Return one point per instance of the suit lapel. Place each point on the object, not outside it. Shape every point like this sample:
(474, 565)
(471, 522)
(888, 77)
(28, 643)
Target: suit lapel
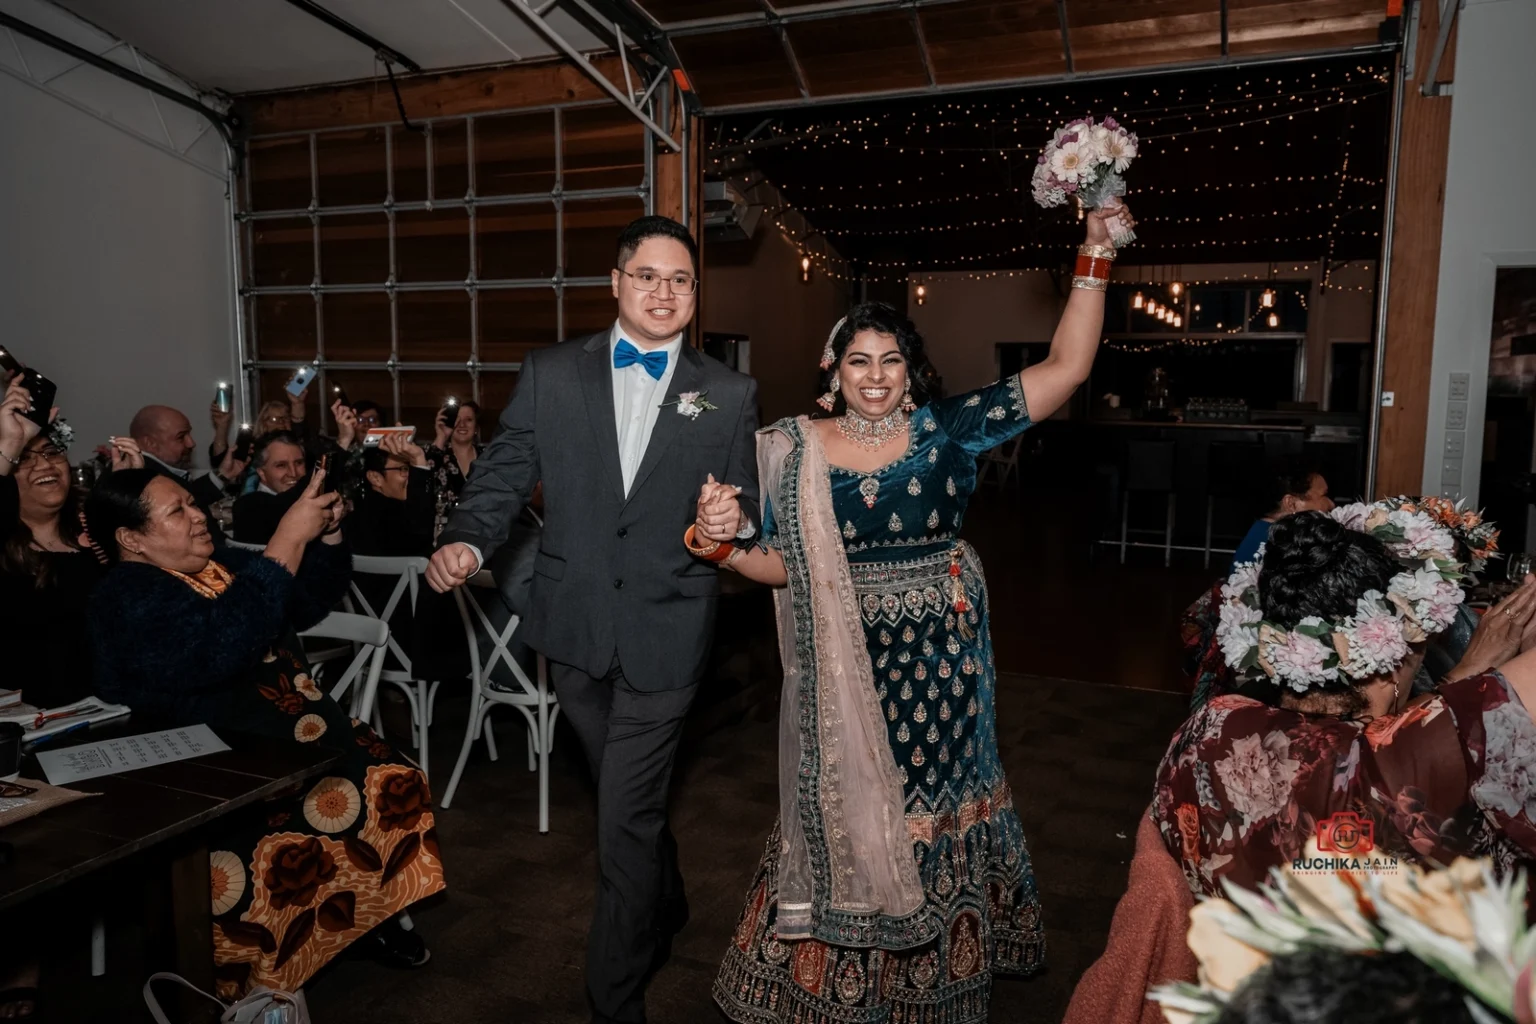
(689, 376)
(597, 388)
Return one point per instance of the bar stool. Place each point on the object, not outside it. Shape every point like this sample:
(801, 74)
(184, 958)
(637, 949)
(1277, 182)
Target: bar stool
(1148, 470)
(1233, 472)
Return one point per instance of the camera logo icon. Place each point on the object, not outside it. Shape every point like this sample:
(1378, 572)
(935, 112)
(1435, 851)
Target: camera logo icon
(1346, 833)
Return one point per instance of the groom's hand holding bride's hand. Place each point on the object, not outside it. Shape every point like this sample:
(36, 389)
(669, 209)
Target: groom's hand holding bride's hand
(719, 515)
(451, 566)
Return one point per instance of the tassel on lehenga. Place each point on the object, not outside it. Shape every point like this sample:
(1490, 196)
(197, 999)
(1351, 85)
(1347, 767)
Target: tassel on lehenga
(957, 596)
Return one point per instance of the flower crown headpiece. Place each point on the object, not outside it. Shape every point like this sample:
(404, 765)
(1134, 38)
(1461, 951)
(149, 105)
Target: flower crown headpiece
(1460, 921)
(829, 354)
(1478, 536)
(1420, 601)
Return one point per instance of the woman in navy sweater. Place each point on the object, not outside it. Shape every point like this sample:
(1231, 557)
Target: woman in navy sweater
(189, 639)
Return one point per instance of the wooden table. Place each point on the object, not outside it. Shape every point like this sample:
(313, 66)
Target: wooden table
(148, 824)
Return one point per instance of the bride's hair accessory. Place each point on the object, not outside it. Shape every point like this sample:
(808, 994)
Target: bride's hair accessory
(829, 354)
(1420, 601)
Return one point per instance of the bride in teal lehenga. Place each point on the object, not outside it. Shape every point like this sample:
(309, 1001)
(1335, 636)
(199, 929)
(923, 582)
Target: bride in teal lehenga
(897, 881)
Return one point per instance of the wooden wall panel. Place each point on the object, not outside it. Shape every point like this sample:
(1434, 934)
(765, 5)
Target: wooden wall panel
(446, 95)
(1415, 271)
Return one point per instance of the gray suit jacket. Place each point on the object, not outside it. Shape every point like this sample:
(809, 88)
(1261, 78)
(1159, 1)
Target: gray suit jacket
(612, 575)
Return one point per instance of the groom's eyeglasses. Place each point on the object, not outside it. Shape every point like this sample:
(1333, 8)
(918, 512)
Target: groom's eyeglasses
(649, 281)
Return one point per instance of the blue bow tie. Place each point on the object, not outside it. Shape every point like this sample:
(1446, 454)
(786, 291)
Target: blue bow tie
(625, 354)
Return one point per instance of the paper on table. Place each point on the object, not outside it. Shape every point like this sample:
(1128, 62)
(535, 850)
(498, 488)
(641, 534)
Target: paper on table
(110, 757)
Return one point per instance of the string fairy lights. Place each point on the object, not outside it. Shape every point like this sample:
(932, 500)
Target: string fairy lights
(903, 189)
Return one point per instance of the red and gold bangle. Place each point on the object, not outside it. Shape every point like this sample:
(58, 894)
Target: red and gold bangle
(713, 552)
(1092, 268)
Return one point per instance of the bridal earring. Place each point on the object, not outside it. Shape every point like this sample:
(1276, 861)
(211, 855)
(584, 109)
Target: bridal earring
(828, 400)
(907, 405)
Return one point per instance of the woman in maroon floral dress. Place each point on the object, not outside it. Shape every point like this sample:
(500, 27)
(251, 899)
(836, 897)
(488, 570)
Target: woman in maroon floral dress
(1337, 619)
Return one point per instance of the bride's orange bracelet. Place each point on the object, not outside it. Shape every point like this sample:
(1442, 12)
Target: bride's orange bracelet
(713, 552)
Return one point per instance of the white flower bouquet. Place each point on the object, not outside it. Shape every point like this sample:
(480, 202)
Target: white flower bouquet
(1088, 160)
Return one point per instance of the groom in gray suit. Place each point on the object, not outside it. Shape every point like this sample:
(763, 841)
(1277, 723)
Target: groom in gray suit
(623, 428)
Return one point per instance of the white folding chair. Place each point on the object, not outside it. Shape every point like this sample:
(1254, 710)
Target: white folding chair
(1004, 458)
(534, 700)
(371, 637)
(419, 694)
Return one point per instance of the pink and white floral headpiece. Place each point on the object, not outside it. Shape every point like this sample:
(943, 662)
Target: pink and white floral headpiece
(1420, 601)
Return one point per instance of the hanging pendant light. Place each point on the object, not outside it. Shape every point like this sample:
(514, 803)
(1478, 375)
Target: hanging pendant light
(922, 294)
(1178, 320)
(1267, 299)
(1176, 289)
(1162, 314)
(1274, 320)
(1137, 302)
(805, 268)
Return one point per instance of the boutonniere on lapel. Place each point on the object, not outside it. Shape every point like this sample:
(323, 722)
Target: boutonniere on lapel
(691, 404)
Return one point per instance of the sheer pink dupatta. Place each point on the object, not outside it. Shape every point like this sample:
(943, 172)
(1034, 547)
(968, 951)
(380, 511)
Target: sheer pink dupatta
(847, 873)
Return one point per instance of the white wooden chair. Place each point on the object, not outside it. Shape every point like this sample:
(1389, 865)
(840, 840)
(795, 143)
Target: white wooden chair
(419, 693)
(371, 639)
(538, 706)
(1004, 459)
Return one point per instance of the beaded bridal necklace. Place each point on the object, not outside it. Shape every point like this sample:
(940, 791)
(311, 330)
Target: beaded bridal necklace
(872, 434)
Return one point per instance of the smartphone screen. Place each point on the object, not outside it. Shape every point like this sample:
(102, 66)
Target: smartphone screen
(243, 441)
(377, 434)
(339, 394)
(221, 397)
(300, 379)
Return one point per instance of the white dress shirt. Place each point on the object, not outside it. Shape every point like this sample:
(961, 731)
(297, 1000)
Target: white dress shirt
(637, 399)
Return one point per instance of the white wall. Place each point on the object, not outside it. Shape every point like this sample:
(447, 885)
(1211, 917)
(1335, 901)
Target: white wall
(1490, 210)
(115, 278)
(754, 288)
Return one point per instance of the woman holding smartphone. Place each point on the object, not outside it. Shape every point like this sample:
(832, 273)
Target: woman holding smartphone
(456, 447)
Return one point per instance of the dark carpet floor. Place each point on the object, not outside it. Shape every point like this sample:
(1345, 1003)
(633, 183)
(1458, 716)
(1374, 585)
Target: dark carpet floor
(508, 938)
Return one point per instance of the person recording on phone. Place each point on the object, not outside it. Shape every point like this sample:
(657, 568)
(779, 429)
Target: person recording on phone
(47, 570)
(280, 466)
(397, 512)
(456, 446)
(165, 437)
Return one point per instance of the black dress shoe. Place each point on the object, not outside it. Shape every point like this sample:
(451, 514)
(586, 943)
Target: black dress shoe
(393, 946)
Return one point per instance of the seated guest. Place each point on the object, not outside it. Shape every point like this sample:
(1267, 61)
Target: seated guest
(286, 412)
(279, 462)
(187, 639)
(455, 449)
(164, 435)
(396, 514)
(368, 415)
(46, 573)
(1336, 624)
(396, 517)
(1293, 491)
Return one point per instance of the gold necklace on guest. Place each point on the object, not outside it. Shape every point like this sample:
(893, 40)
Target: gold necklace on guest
(872, 434)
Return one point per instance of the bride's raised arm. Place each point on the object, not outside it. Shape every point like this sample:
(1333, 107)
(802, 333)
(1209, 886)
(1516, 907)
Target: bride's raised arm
(1047, 385)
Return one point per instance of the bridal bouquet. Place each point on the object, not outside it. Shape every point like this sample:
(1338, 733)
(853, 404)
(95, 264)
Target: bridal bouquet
(1087, 160)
